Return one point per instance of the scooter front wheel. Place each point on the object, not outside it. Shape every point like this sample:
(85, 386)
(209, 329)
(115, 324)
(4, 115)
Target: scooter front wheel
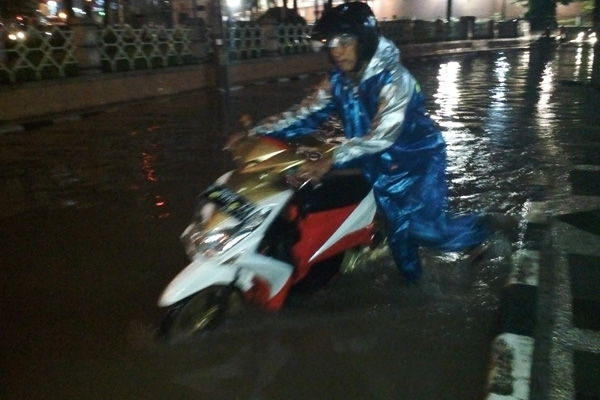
(201, 312)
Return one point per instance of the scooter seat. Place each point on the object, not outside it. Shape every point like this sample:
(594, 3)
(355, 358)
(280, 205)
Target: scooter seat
(336, 189)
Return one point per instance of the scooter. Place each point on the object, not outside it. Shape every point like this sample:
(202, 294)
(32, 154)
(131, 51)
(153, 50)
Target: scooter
(259, 232)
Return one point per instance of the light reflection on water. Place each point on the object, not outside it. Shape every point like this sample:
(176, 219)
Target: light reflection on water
(578, 62)
(583, 62)
(504, 118)
(501, 70)
(545, 113)
(448, 94)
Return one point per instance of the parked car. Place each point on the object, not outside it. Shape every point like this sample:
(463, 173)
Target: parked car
(15, 32)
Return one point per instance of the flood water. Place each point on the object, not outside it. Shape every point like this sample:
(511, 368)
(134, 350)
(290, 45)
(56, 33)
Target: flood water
(91, 210)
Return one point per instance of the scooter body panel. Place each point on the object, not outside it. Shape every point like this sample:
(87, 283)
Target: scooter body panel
(246, 260)
(361, 217)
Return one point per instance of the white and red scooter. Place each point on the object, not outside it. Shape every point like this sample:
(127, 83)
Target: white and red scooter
(255, 236)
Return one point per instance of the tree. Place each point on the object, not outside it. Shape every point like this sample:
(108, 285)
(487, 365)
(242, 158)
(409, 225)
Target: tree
(542, 13)
(68, 4)
(590, 7)
(107, 12)
(12, 8)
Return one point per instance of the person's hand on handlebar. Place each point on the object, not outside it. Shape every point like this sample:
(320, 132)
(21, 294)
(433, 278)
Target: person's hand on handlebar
(314, 170)
(234, 139)
(246, 122)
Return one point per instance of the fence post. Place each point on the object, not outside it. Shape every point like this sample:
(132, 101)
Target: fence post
(596, 64)
(491, 29)
(466, 27)
(86, 43)
(220, 46)
(270, 37)
(440, 30)
(2, 52)
(198, 38)
(523, 29)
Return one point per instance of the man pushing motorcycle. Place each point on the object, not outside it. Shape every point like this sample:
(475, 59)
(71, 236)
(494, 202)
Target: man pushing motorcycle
(390, 137)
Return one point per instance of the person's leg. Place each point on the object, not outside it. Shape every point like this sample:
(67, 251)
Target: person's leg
(448, 233)
(405, 251)
(431, 225)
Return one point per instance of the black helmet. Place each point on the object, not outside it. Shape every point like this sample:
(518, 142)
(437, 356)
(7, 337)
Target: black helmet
(355, 19)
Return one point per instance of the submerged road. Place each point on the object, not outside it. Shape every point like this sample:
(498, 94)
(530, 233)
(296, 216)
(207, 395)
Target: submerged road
(91, 209)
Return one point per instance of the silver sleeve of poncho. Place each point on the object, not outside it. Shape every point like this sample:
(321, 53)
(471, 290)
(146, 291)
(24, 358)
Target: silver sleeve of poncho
(315, 102)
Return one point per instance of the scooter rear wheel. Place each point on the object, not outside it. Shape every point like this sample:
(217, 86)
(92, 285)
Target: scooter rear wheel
(201, 312)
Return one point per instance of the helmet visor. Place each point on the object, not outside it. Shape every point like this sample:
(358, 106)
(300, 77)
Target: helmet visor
(342, 40)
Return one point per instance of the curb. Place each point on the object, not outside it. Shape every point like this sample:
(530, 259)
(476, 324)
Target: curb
(33, 124)
(512, 349)
(48, 120)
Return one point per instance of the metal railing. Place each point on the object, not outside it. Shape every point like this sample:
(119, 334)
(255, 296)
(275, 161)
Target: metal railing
(84, 48)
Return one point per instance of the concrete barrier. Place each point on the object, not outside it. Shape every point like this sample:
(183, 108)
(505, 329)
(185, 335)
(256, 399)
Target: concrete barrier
(513, 347)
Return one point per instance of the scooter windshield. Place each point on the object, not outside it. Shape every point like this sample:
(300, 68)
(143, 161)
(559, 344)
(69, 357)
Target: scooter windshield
(229, 201)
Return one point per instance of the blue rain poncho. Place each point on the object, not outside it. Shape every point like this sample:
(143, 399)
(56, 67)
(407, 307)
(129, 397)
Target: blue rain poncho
(399, 148)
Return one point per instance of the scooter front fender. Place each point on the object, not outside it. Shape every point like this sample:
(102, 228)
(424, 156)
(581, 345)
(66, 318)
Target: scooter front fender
(199, 275)
(202, 273)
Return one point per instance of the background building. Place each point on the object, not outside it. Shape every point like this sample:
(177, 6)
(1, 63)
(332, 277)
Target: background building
(175, 12)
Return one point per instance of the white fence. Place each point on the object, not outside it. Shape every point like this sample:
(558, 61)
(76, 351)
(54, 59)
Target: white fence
(124, 48)
(40, 54)
(66, 51)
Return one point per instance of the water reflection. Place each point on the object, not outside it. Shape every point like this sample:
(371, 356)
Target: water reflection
(575, 63)
(590, 60)
(578, 61)
(462, 143)
(147, 166)
(154, 203)
(545, 113)
(448, 94)
(501, 118)
(501, 69)
(497, 119)
(546, 125)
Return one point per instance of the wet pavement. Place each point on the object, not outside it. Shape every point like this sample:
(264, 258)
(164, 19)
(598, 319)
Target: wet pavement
(91, 209)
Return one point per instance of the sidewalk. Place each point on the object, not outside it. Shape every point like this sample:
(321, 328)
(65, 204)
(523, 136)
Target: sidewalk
(567, 363)
(549, 345)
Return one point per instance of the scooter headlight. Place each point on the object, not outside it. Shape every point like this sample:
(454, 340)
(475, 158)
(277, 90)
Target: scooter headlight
(197, 240)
